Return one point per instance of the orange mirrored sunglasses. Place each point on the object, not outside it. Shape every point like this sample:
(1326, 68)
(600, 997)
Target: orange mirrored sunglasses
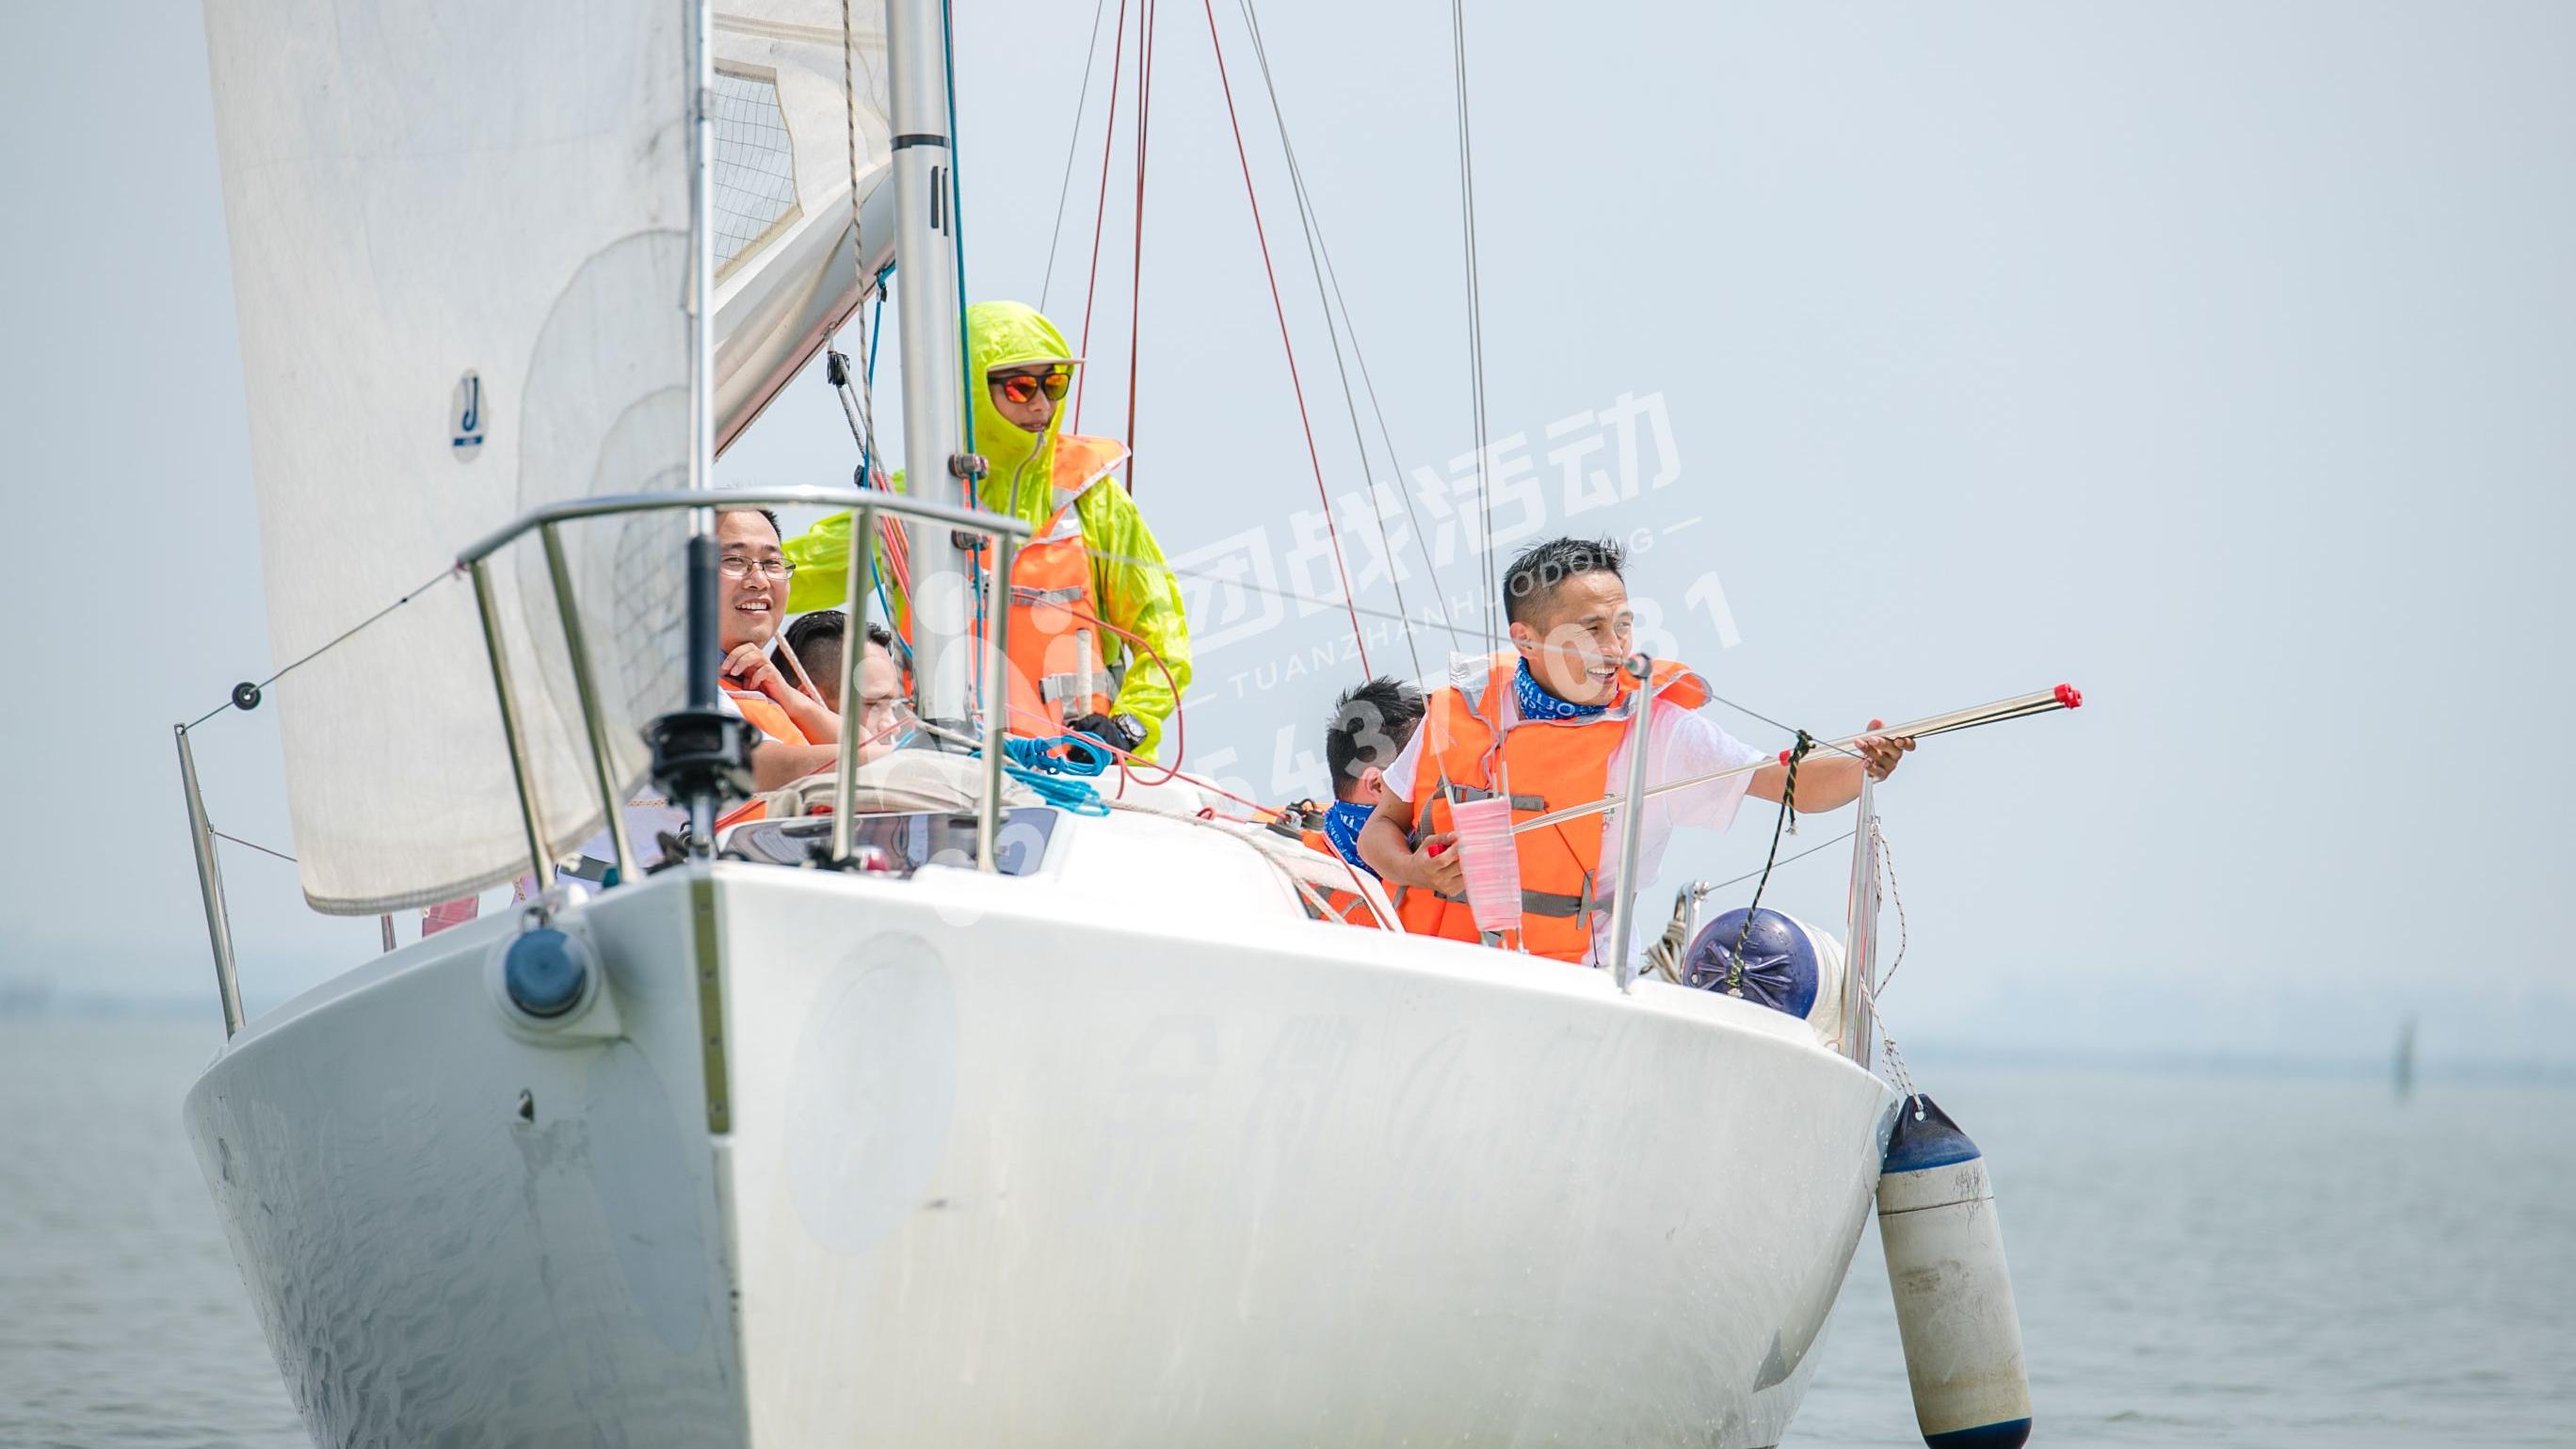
(1021, 387)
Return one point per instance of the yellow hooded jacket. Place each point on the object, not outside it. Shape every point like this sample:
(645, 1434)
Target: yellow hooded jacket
(1134, 587)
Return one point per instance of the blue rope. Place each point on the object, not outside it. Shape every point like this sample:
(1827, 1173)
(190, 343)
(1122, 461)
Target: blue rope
(876, 329)
(1072, 795)
(1089, 759)
(876, 574)
(1060, 780)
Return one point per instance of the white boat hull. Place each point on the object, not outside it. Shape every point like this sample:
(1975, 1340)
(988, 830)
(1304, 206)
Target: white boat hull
(1034, 1173)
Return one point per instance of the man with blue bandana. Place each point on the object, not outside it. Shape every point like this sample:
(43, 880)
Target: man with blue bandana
(1550, 722)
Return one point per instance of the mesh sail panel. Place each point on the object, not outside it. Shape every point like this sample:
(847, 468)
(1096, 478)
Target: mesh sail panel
(790, 264)
(755, 166)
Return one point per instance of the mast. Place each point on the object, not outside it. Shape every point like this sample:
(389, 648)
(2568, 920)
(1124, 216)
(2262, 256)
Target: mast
(701, 754)
(699, 798)
(702, 346)
(926, 299)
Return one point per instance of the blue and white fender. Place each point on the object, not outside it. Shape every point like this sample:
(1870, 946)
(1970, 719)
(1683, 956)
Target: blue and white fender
(1954, 1300)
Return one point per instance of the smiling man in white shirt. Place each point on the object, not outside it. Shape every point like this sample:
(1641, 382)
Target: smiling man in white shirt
(1549, 721)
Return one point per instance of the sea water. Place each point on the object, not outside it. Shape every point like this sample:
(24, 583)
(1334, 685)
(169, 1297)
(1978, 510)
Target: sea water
(2236, 1260)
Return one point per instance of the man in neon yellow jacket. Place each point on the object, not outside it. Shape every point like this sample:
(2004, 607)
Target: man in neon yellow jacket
(1090, 588)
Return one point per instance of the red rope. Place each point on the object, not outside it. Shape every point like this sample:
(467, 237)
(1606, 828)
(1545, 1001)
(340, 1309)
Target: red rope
(890, 533)
(1136, 281)
(1349, 601)
(1100, 208)
(1180, 726)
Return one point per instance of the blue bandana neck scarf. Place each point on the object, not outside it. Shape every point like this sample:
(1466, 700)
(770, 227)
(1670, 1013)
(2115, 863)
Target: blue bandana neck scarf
(1342, 827)
(1536, 703)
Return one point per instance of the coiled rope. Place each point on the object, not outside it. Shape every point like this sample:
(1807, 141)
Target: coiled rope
(1060, 770)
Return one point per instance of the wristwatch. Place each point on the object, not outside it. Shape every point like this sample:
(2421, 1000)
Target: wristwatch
(1121, 732)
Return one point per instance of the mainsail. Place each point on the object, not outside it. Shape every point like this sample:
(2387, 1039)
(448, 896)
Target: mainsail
(460, 237)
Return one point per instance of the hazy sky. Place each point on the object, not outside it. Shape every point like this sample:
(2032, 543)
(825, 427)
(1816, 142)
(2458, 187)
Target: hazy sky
(2214, 357)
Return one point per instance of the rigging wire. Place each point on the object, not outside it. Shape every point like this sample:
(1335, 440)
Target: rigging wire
(1787, 729)
(1217, 576)
(850, 113)
(1072, 141)
(1312, 231)
(1145, 11)
(868, 328)
(1100, 211)
(1279, 308)
(871, 329)
(1386, 436)
(898, 558)
(1886, 859)
(444, 574)
(886, 552)
(1784, 860)
(1475, 307)
(1368, 385)
(1897, 1075)
(253, 844)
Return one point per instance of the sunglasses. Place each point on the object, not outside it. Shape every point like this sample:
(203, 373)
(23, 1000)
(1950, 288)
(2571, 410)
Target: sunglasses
(1022, 387)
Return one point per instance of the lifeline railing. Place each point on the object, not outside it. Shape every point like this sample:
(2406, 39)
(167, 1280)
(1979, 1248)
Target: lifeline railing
(1005, 532)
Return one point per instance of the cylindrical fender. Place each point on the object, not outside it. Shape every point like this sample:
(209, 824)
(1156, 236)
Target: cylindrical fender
(1954, 1300)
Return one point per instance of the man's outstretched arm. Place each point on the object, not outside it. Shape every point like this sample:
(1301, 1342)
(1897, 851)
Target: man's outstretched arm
(1832, 781)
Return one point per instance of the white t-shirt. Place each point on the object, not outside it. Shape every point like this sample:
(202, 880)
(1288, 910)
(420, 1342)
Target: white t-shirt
(1683, 744)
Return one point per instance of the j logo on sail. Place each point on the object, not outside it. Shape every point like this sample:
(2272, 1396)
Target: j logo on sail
(465, 435)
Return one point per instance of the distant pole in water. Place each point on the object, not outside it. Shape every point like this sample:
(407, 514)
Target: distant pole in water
(2404, 1075)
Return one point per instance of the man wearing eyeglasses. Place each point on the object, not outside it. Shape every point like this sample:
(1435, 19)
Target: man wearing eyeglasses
(1090, 589)
(752, 573)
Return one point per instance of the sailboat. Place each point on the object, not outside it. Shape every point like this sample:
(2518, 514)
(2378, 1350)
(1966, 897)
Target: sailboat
(1008, 1124)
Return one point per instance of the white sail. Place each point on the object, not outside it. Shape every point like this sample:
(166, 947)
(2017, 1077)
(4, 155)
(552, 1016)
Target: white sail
(460, 238)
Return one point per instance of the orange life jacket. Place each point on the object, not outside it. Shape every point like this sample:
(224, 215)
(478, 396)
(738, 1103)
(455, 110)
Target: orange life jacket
(1056, 661)
(1348, 906)
(772, 719)
(1474, 738)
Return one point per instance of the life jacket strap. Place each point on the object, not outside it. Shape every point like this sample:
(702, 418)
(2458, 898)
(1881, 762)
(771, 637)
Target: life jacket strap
(1028, 597)
(1535, 804)
(1056, 688)
(1548, 903)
